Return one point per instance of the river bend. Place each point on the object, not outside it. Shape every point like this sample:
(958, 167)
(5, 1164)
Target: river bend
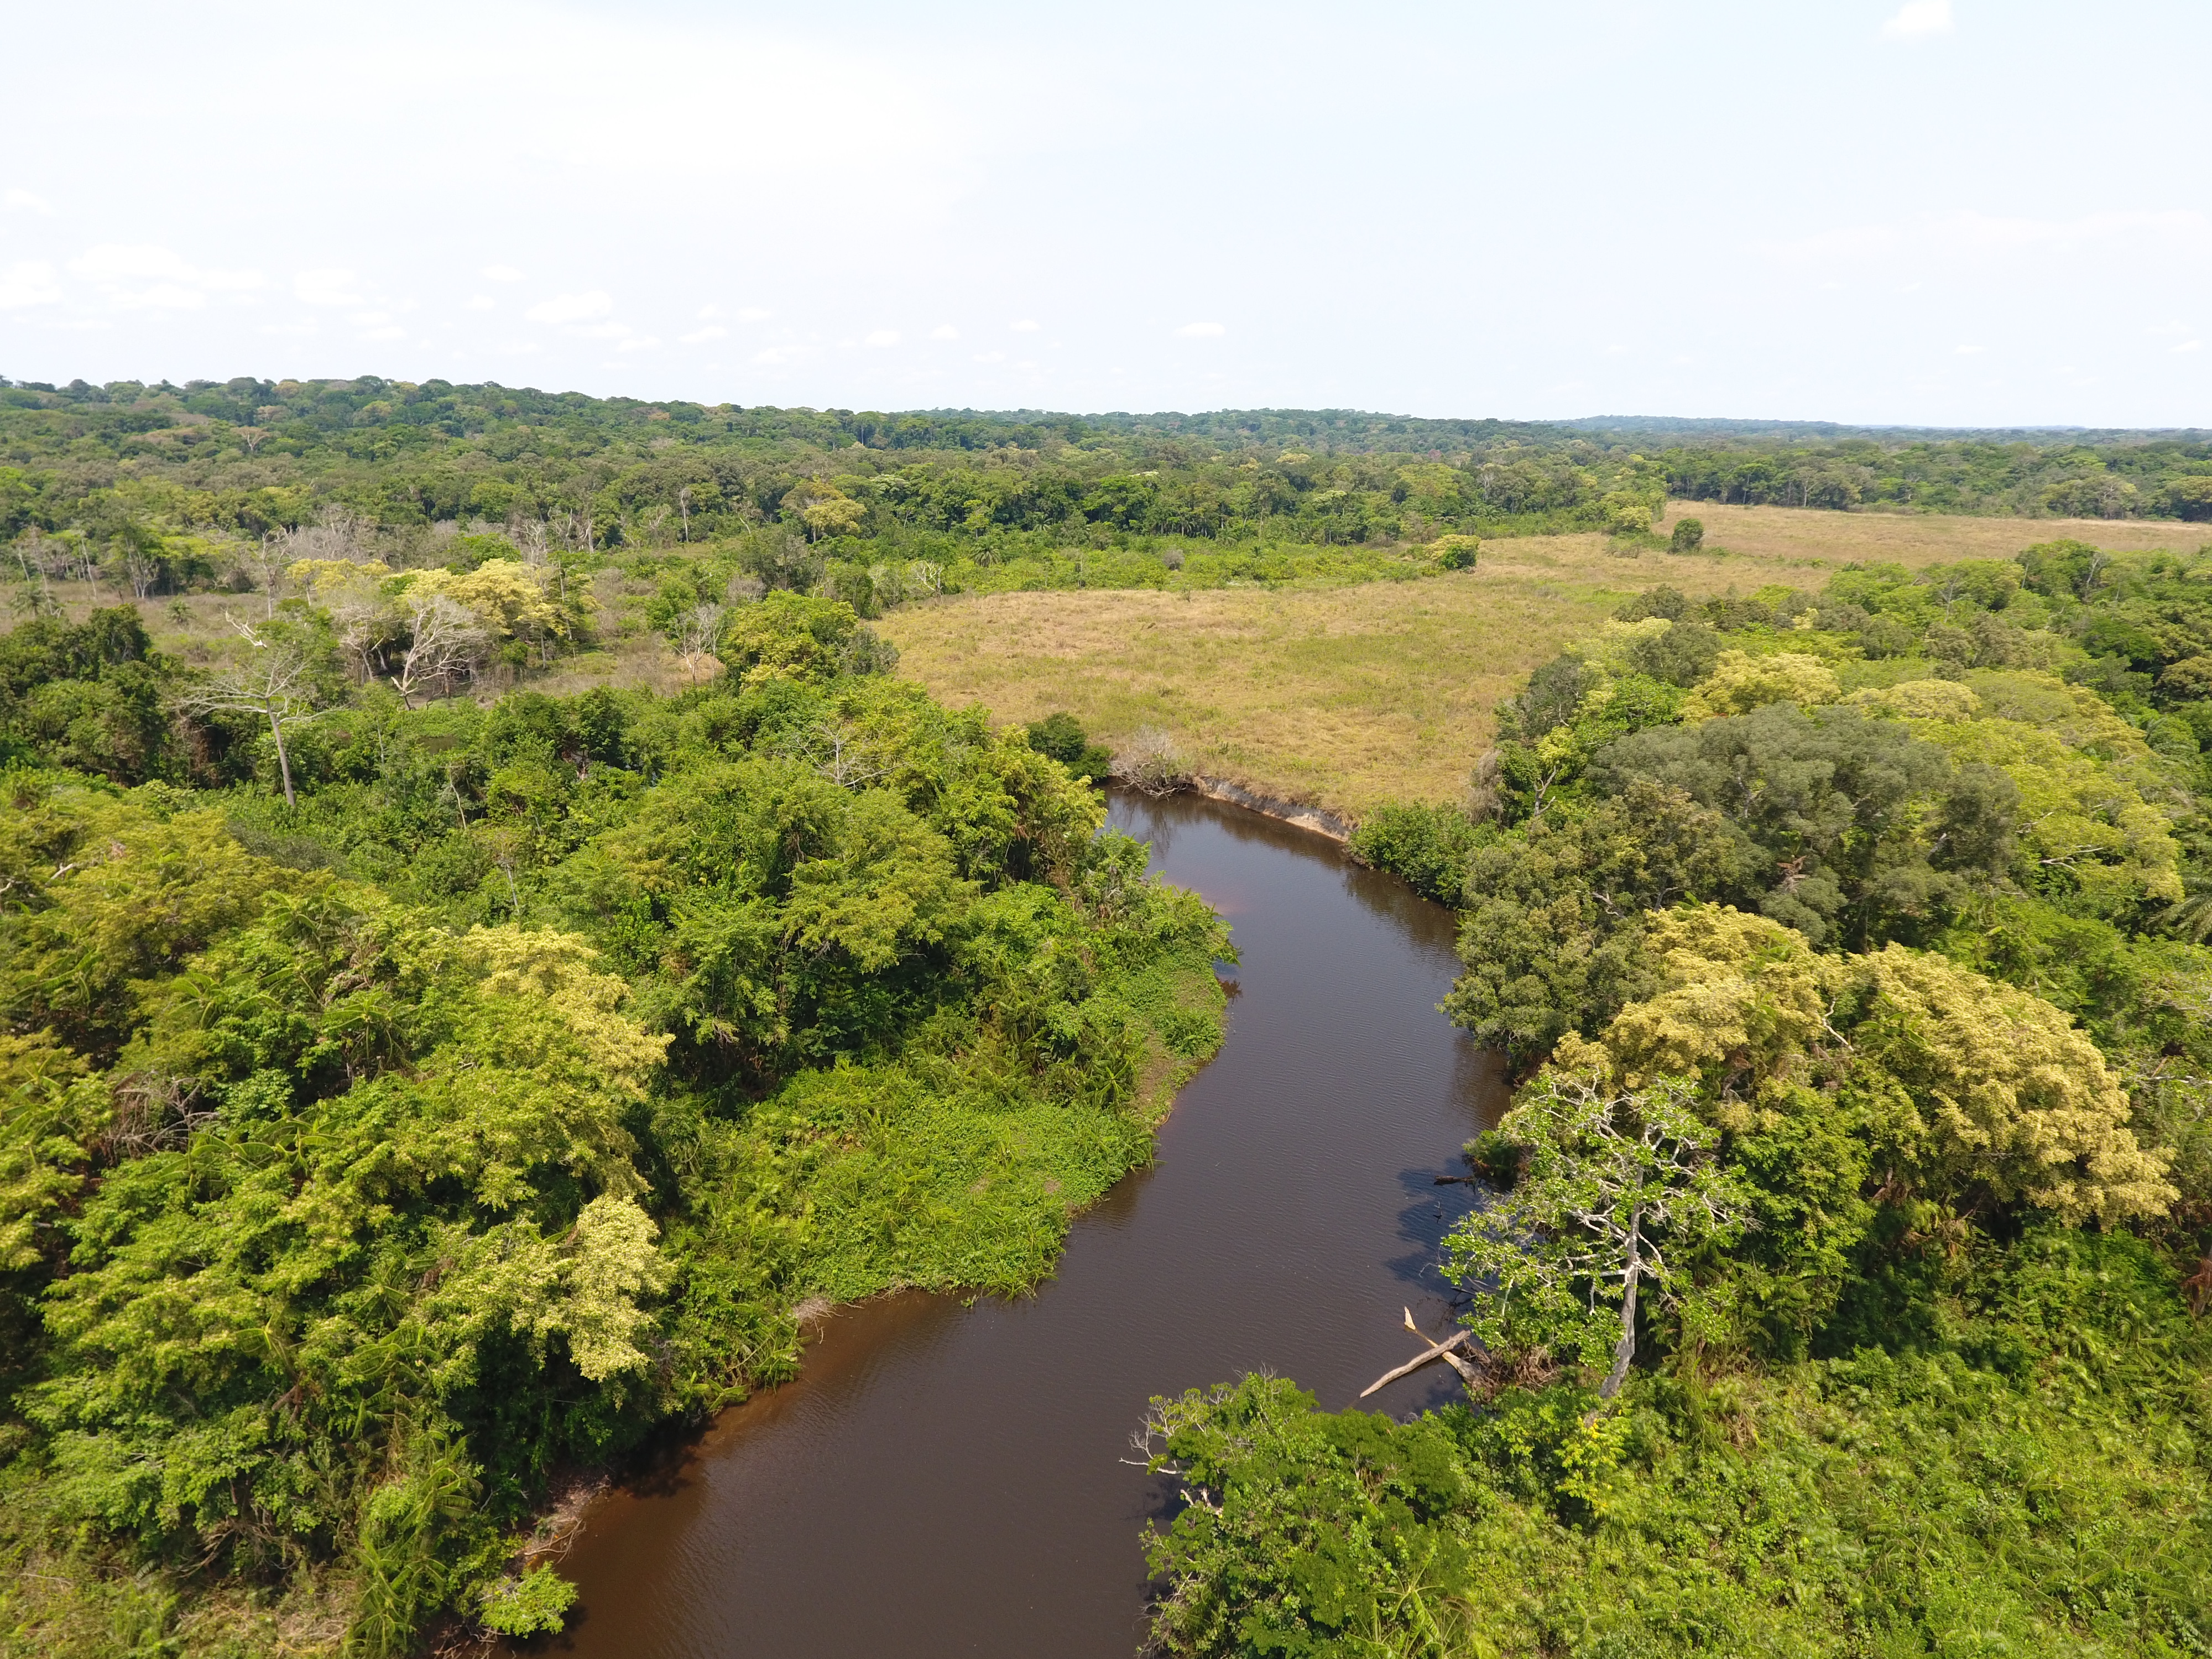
(946, 1480)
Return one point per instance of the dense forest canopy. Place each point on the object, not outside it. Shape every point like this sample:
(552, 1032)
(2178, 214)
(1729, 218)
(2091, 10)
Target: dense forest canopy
(130, 462)
(413, 1093)
(1840, 1288)
(404, 1108)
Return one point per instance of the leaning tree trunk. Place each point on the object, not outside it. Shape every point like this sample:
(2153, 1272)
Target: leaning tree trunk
(1625, 1350)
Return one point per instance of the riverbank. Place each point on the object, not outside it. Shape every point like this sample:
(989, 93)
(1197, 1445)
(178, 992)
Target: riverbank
(945, 1474)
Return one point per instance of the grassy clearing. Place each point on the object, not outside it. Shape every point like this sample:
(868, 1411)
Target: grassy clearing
(1330, 686)
(1345, 696)
(1915, 539)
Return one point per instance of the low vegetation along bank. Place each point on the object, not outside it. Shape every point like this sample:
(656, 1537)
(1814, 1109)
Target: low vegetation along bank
(1841, 1289)
(394, 1130)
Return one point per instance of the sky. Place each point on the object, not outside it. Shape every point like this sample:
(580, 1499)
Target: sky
(1941, 212)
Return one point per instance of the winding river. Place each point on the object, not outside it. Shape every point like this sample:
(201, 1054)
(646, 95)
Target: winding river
(946, 1479)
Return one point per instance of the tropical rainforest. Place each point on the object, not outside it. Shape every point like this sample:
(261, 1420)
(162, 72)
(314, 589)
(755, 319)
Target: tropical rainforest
(422, 1091)
(1840, 1287)
(154, 483)
(410, 1109)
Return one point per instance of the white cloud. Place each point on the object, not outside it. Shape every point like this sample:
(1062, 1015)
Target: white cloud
(162, 296)
(2184, 234)
(395, 333)
(1970, 350)
(572, 307)
(1201, 331)
(28, 282)
(501, 274)
(640, 342)
(1027, 325)
(707, 313)
(1915, 18)
(370, 318)
(328, 287)
(883, 337)
(289, 328)
(140, 277)
(476, 302)
(754, 314)
(944, 331)
(990, 356)
(116, 262)
(701, 336)
(2190, 345)
(18, 200)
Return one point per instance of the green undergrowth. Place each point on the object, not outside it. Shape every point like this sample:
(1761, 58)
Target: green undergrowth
(2022, 1475)
(1175, 568)
(374, 1165)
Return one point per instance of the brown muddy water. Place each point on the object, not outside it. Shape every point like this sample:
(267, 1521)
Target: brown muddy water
(946, 1479)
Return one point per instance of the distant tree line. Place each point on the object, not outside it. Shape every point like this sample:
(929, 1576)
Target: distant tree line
(111, 470)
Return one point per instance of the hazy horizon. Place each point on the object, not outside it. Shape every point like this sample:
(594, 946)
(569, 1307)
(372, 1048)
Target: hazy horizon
(1661, 423)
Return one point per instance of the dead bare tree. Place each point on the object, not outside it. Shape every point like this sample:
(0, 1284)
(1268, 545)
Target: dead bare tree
(578, 529)
(142, 572)
(533, 539)
(694, 635)
(267, 560)
(838, 753)
(445, 642)
(274, 681)
(38, 557)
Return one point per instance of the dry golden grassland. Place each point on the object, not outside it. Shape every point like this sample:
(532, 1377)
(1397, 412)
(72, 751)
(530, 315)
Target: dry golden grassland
(1344, 697)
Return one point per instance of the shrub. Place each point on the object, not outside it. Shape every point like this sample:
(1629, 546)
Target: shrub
(1062, 737)
(1427, 844)
(1151, 762)
(1456, 552)
(532, 1605)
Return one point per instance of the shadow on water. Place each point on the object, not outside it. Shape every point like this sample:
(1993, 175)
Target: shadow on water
(946, 1478)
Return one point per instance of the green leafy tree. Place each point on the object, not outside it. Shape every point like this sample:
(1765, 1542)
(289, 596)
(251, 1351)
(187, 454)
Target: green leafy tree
(1869, 830)
(808, 640)
(1552, 930)
(1613, 1191)
(1062, 737)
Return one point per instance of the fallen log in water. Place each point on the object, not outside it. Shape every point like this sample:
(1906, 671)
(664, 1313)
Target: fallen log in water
(1442, 1351)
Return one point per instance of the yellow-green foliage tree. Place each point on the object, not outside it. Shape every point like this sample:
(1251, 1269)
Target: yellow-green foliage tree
(335, 1214)
(1970, 1091)
(1741, 682)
